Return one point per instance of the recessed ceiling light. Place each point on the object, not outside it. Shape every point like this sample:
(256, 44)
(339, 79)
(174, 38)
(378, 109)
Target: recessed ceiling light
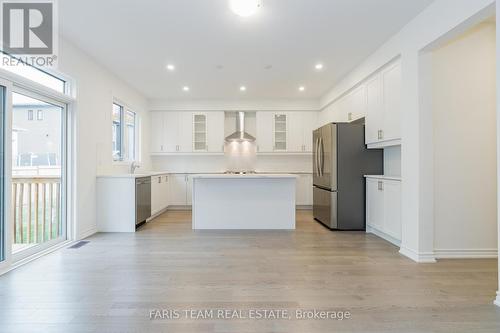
(245, 8)
(302, 88)
(318, 66)
(170, 67)
(185, 88)
(243, 88)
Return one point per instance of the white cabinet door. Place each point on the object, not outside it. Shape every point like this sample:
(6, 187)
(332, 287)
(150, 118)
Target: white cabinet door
(391, 78)
(189, 189)
(265, 131)
(155, 195)
(200, 134)
(170, 131)
(280, 132)
(342, 110)
(304, 189)
(215, 130)
(185, 133)
(374, 204)
(374, 109)
(165, 190)
(392, 208)
(357, 103)
(157, 130)
(309, 120)
(296, 131)
(177, 189)
(300, 128)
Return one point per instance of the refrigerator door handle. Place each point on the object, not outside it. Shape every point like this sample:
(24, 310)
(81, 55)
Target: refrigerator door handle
(322, 157)
(317, 156)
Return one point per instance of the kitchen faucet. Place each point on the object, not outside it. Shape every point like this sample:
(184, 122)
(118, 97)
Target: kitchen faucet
(133, 166)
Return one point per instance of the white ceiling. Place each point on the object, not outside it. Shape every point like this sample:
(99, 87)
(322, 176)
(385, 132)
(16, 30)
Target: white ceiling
(136, 39)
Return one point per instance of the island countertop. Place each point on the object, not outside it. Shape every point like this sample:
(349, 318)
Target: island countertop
(244, 176)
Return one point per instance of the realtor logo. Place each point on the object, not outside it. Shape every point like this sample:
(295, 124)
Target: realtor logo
(27, 27)
(29, 32)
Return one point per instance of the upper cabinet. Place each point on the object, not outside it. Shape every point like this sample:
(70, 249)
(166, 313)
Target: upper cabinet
(383, 126)
(186, 132)
(285, 132)
(200, 138)
(180, 132)
(280, 133)
(301, 126)
(378, 99)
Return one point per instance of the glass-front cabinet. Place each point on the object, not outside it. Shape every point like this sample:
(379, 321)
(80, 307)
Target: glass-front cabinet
(280, 132)
(200, 132)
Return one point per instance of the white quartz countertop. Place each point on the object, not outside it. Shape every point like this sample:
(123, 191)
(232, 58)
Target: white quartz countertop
(398, 178)
(134, 175)
(244, 176)
(205, 175)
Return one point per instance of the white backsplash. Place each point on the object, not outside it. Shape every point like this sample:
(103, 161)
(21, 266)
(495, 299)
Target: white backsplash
(203, 164)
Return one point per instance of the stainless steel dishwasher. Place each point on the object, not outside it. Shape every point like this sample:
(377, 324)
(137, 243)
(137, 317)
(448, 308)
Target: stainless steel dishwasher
(142, 200)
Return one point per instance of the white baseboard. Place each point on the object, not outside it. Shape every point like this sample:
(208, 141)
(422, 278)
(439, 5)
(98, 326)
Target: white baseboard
(465, 253)
(383, 235)
(87, 233)
(420, 257)
(497, 300)
(179, 207)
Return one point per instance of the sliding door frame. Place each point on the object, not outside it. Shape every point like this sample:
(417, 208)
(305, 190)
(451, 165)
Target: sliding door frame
(14, 82)
(7, 169)
(64, 179)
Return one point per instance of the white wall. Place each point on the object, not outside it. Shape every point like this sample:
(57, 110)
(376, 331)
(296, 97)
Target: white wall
(441, 20)
(96, 88)
(464, 136)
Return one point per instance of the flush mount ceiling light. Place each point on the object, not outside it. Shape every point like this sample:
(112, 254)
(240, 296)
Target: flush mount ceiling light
(243, 88)
(245, 8)
(318, 66)
(171, 67)
(185, 88)
(302, 88)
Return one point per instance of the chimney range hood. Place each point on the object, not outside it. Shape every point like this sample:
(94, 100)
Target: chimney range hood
(240, 135)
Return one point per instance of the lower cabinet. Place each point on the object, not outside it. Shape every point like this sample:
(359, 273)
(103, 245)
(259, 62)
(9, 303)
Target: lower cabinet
(304, 189)
(178, 189)
(383, 208)
(160, 189)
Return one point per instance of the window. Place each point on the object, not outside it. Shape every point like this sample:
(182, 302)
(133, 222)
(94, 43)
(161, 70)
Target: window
(117, 132)
(37, 75)
(124, 134)
(39, 115)
(30, 114)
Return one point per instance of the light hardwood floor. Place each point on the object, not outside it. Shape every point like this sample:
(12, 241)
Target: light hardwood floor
(112, 283)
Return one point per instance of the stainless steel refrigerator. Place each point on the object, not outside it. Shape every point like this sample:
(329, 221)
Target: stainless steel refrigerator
(340, 161)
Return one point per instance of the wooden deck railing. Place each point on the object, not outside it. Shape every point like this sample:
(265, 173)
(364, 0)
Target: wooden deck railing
(36, 208)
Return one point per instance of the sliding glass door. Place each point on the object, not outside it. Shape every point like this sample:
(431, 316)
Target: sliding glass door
(38, 173)
(2, 172)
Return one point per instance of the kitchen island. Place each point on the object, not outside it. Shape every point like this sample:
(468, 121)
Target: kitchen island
(251, 201)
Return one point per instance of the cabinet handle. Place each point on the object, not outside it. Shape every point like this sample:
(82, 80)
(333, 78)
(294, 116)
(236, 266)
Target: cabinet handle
(159, 180)
(161, 147)
(349, 116)
(381, 134)
(380, 186)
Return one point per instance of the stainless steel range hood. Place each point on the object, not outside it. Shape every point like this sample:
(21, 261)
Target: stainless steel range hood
(240, 134)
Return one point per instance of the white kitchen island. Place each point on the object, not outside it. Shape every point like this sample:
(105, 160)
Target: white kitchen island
(252, 201)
